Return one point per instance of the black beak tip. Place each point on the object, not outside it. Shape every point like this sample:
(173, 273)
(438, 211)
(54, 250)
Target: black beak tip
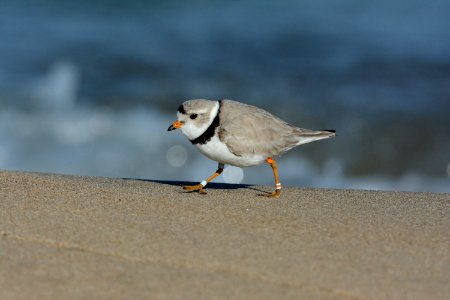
(171, 128)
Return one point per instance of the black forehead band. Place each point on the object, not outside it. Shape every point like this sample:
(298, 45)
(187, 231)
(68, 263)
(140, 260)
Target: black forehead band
(181, 109)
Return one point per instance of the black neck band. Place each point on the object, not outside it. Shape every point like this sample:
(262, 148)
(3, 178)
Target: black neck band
(209, 132)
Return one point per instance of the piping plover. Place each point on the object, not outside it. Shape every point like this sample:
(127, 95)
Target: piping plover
(239, 134)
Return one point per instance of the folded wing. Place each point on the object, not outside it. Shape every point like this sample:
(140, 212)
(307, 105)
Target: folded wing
(248, 130)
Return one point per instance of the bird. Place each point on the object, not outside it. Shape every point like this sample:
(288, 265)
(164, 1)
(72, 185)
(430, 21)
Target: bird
(238, 134)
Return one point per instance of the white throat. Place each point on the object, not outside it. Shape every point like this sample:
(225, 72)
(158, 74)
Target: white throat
(192, 131)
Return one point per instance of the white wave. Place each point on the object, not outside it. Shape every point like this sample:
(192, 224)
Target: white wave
(58, 89)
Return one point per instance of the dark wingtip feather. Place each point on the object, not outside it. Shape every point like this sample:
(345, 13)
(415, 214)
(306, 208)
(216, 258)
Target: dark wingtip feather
(331, 131)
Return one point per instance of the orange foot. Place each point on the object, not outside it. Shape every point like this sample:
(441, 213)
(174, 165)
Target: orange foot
(193, 188)
(275, 194)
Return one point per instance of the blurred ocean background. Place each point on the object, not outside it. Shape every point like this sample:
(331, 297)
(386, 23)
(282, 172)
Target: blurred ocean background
(90, 87)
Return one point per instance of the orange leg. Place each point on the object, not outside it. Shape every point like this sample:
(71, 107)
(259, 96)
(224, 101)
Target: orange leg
(199, 187)
(273, 164)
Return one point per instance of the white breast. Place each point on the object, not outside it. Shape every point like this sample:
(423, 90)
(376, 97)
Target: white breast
(218, 151)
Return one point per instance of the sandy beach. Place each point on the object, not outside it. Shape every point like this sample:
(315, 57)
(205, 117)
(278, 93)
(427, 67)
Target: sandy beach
(70, 237)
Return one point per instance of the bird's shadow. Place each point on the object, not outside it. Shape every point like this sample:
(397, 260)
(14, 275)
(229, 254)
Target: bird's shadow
(211, 185)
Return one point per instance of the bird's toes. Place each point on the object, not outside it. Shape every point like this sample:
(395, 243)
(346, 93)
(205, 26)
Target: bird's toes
(193, 188)
(275, 194)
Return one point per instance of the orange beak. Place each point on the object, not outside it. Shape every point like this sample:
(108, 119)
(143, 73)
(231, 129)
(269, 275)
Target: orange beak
(175, 125)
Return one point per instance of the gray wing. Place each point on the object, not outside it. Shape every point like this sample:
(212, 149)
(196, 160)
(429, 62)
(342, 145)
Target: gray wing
(247, 130)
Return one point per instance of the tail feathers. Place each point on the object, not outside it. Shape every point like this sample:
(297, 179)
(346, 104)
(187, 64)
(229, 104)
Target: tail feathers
(311, 136)
(330, 130)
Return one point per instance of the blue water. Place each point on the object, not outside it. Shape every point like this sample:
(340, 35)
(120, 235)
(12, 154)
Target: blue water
(91, 87)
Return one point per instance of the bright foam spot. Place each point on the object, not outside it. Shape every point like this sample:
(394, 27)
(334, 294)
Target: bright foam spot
(233, 174)
(73, 132)
(177, 156)
(59, 88)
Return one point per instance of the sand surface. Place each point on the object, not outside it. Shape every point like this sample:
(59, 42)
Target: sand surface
(67, 237)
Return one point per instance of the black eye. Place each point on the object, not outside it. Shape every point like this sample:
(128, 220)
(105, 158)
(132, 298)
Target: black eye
(193, 116)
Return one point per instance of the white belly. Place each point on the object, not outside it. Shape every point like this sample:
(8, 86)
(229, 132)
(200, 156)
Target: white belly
(218, 151)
